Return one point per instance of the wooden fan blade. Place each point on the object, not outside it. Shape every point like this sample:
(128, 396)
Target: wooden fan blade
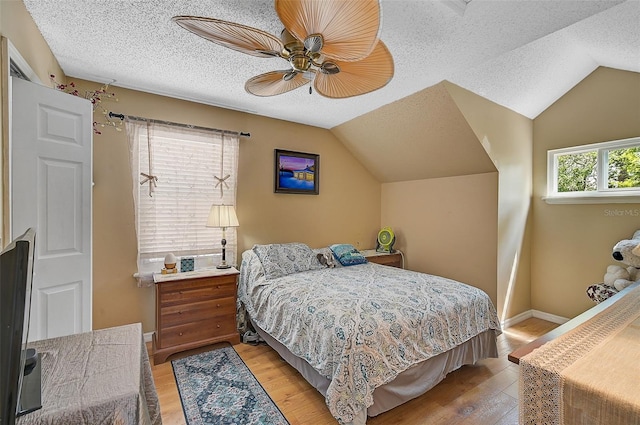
(238, 37)
(356, 78)
(273, 83)
(349, 28)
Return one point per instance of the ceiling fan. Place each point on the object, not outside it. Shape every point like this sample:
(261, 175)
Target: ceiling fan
(332, 43)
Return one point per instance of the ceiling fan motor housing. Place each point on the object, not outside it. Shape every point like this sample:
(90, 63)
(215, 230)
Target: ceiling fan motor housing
(300, 62)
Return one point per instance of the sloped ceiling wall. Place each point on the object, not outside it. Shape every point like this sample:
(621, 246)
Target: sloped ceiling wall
(422, 136)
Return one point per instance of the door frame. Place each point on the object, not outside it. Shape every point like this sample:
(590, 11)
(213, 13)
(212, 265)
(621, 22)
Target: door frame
(8, 53)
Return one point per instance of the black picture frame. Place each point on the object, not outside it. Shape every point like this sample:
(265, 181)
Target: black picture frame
(296, 172)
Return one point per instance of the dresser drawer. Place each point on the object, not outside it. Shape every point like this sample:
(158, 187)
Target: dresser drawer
(394, 260)
(197, 331)
(194, 312)
(196, 290)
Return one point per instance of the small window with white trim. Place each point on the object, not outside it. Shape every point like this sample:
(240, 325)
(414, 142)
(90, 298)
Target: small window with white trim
(600, 172)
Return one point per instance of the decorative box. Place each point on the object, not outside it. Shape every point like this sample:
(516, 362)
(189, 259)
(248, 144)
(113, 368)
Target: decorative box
(186, 264)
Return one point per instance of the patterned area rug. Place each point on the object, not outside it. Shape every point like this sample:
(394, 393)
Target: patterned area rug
(216, 387)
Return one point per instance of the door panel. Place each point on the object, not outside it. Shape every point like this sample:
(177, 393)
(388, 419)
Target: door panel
(51, 173)
(60, 306)
(56, 125)
(60, 182)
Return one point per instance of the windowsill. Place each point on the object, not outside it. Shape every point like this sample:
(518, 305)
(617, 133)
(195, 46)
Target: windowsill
(592, 199)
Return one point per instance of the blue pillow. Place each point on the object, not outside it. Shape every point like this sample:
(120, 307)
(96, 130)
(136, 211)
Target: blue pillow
(347, 255)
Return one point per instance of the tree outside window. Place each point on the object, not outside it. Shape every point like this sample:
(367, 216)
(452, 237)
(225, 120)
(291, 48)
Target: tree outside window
(602, 169)
(578, 172)
(624, 168)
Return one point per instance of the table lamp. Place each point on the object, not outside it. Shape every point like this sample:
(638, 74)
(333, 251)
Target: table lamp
(223, 216)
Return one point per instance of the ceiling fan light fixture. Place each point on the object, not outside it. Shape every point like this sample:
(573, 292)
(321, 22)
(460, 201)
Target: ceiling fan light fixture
(314, 43)
(329, 68)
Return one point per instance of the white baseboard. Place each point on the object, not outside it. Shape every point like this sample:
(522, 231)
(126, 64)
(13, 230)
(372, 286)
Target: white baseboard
(148, 336)
(507, 323)
(549, 317)
(533, 313)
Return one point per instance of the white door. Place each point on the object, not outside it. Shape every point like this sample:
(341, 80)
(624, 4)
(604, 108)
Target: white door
(51, 176)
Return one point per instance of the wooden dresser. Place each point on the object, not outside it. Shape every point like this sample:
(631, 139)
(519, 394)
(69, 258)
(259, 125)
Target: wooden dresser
(194, 309)
(394, 259)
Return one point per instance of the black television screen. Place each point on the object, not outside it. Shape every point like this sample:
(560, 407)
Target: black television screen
(16, 272)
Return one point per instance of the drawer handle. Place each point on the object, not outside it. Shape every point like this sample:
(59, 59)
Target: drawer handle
(180, 333)
(218, 287)
(218, 305)
(180, 312)
(218, 326)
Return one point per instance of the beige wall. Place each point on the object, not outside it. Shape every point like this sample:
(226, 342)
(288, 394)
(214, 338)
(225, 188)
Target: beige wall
(421, 136)
(439, 190)
(571, 244)
(442, 131)
(346, 210)
(16, 25)
(447, 226)
(507, 138)
(17, 28)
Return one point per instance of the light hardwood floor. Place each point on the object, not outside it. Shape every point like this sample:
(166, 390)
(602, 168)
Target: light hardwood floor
(483, 394)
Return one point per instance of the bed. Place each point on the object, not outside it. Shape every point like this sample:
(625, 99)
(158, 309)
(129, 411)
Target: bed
(368, 337)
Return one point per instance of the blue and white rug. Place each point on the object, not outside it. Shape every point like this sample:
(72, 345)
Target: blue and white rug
(216, 387)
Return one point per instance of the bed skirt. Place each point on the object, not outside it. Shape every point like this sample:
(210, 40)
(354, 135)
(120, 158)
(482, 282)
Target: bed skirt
(411, 383)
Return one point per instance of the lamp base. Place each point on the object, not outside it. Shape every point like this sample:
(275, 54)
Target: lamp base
(223, 266)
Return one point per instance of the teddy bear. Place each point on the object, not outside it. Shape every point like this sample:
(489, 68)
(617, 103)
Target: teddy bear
(617, 278)
(627, 252)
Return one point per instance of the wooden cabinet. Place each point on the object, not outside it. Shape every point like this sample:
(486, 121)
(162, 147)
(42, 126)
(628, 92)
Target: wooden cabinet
(194, 309)
(395, 259)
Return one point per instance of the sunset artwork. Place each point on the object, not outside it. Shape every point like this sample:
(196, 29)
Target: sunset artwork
(296, 172)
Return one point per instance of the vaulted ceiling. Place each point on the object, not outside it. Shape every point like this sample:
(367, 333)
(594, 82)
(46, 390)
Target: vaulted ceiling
(521, 54)
(423, 136)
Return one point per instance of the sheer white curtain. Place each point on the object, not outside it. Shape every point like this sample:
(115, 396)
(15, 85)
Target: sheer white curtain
(178, 173)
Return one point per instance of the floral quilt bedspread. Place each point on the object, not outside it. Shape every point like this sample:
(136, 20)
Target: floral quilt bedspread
(360, 326)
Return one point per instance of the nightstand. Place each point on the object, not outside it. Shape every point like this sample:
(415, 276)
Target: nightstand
(194, 309)
(394, 259)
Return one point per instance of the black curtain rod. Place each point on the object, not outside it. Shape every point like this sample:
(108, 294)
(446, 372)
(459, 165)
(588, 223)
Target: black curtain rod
(122, 117)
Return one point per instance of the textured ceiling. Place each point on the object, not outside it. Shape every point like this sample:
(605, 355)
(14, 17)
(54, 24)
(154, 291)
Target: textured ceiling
(522, 54)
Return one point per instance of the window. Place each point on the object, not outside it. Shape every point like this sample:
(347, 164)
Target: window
(600, 172)
(178, 173)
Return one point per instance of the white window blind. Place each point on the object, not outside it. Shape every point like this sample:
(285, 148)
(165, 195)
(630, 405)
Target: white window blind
(178, 173)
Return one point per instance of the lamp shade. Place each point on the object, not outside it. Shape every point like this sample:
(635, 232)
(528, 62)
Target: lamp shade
(222, 216)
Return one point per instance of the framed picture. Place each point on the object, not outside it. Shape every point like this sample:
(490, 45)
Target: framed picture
(296, 172)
